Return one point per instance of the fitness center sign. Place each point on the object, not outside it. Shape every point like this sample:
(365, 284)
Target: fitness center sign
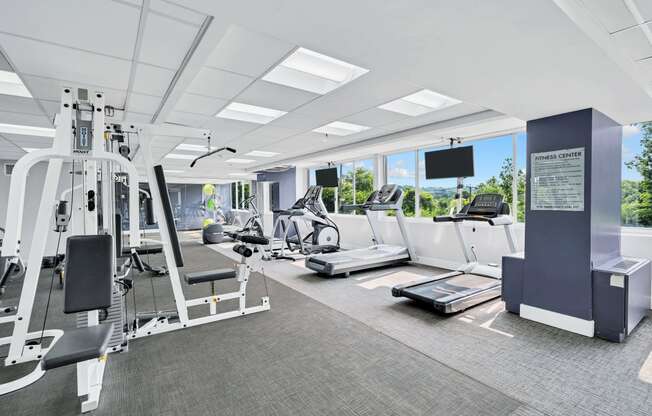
(557, 181)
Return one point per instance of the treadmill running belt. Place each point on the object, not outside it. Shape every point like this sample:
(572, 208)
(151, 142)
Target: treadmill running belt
(453, 288)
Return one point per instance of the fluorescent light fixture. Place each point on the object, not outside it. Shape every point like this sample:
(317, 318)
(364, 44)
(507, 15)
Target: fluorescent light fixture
(419, 103)
(193, 147)
(172, 171)
(311, 71)
(340, 128)
(11, 84)
(260, 153)
(180, 156)
(30, 149)
(250, 113)
(239, 161)
(26, 130)
(238, 174)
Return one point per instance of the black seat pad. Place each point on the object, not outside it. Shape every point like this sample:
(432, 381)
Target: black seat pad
(209, 276)
(153, 249)
(78, 345)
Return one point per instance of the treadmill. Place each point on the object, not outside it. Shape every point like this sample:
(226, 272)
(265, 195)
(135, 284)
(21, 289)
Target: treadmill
(473, 283)
(387, 198)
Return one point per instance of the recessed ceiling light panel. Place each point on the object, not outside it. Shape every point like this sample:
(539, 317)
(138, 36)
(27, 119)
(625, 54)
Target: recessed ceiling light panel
(250, 113)
(260, 153)
(172, 171)
(312, 71)
(419, 103)
(180, 156)
(340, 128)
(11, 84)
(192, 147)
(26, 130)
(239, 161)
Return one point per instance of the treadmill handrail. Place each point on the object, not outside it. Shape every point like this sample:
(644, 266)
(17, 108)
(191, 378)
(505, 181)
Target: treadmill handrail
(498, 220)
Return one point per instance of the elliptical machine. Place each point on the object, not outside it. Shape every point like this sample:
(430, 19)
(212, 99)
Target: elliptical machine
(323, 235)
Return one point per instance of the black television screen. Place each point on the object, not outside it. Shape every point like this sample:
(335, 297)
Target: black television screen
(450, 163)
(327, 177)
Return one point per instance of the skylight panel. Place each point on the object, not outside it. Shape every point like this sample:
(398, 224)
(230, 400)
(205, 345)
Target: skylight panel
(260, 153)
(240, 161)
(419, 103)
(340, 128)
(26, 130)
(250, 113)
(11, 84)
(312, 71)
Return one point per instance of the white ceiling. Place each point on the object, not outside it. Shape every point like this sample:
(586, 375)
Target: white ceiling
(523, 60)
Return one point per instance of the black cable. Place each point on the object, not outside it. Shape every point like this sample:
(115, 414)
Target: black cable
(47, 305)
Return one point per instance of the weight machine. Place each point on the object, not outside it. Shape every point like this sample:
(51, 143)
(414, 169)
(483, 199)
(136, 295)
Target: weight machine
(84, 140)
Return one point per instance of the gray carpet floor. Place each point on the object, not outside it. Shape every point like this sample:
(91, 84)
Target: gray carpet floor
(300, 358)
(552, 371)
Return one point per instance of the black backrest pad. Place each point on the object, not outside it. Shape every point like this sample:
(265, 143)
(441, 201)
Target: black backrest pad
(88, 273)
(167, 212)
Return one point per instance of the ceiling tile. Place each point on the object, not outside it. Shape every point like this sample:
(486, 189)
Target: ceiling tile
(141, 103)
(198, 104)
(645, 8)
(135, 117)
(177, 12)
(217, 83)
(152, 80)
(77, 23)
(247, 52)
(374, 117)
(613, 14)
(19, 105)
(51, 107)
(299, 122)
(28, 141)
(188, 119)
(4, 65)
(634, 43)
(266, 94)
(50, 89)
(165, 41)
(88, 68)
(25, 119)
(223, 129)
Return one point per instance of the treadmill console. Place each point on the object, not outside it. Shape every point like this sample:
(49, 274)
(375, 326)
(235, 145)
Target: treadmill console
(486, 205)
(386, 194)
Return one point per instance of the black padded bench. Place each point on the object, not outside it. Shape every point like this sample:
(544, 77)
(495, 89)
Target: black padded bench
(209, 276)
(78, 345)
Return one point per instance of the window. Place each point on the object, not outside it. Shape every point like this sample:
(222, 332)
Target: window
(636, 201)
(493, 168)
(401, 170)
(363, 180)
(356, 184)
(345, 191)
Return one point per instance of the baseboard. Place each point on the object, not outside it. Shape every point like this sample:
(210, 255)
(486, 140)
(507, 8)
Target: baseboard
(558, 320)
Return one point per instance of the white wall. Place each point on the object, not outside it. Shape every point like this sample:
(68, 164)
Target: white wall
(437, 245)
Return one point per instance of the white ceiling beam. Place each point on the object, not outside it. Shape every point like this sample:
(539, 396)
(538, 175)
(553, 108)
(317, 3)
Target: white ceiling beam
(208, 37)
